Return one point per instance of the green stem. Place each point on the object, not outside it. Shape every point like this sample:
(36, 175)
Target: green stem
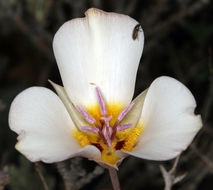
(114, 179)
(38, 169)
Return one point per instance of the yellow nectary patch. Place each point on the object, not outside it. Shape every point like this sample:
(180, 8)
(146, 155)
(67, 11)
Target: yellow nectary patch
(124, 140)
(132, 137)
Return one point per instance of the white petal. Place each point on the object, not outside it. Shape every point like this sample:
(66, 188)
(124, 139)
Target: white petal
(168, 119)
(44, 127)
(98, 50)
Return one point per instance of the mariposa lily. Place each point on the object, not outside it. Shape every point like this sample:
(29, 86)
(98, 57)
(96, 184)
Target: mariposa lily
(94, 115)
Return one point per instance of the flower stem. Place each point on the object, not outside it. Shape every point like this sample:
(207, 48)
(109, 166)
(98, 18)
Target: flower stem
(114, 179)
(38, 169)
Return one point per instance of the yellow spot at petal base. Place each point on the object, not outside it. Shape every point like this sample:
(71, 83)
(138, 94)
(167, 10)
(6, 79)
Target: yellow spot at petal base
(132, 138)
(124, 140)
(108, 153)
(81, 138)
(113, 109)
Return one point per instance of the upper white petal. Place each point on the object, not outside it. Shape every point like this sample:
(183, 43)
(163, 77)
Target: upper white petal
(168, 119)
(98, 50)
(44, 127)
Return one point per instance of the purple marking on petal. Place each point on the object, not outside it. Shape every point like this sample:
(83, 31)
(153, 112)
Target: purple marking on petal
(125, 111)
(123, 127)
(86, 115)
(89, 129)
(101, 102)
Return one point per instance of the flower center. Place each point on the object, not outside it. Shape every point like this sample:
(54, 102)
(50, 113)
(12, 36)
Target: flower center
(106, 130)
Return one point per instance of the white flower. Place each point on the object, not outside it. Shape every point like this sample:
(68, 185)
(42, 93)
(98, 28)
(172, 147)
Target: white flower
(93, 116)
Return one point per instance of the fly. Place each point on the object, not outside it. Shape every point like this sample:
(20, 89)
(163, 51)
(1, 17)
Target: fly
(136, 29)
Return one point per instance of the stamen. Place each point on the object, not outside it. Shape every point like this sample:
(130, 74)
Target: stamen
(106, 132)
(89, 129)
(116, 124)
(125, 111)
(101, 102)
(86, 115)
(123, 127)
(114, 130)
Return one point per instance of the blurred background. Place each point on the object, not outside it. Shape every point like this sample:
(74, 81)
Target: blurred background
(178, 43)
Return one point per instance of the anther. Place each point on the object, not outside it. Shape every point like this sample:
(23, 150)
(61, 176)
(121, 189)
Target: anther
(123, 127)
(101, 102)
(86, 115)
(125, 111)
(89, 129)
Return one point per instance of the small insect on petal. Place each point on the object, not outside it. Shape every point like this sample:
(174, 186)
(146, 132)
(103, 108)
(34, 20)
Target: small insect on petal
(135, 31)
